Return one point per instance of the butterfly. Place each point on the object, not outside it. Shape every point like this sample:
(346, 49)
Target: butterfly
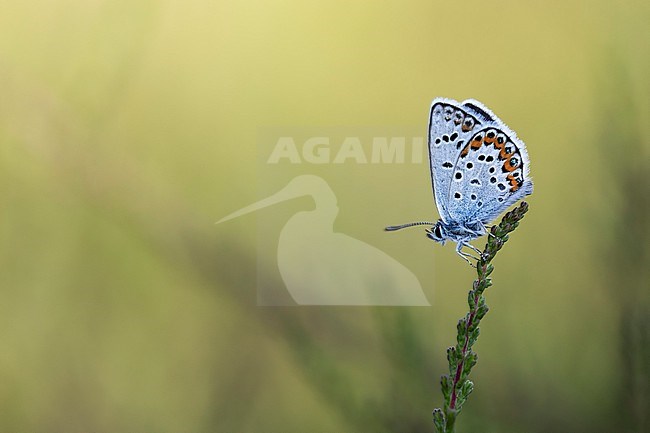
(479, 168)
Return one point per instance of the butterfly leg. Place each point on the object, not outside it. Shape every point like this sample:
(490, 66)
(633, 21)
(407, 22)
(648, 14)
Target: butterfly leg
(476, 250)
(473, 248)
(465, 256)
(488, 230)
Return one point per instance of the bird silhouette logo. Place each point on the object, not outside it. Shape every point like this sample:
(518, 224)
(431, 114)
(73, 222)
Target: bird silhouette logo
(322, 267)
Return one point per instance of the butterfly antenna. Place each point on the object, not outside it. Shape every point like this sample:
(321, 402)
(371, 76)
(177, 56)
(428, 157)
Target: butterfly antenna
(405, 226)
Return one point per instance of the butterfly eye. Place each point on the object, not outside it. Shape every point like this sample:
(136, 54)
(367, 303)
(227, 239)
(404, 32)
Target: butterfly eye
(437, 232)
(458, 118)
(514, 162)
(448, 113)
(501, 138)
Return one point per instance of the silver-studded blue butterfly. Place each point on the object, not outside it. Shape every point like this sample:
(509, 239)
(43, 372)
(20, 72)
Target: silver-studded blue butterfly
(479, 168)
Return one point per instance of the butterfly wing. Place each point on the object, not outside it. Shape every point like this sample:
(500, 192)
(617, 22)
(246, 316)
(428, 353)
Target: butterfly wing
(451, 125)
(491, 172)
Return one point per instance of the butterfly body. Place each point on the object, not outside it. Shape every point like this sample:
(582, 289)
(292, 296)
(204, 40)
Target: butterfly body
(479, 167)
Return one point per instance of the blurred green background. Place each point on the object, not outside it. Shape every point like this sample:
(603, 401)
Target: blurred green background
(128, 128)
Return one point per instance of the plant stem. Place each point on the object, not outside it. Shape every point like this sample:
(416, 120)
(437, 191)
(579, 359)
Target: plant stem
(456, 387)
(459, 368)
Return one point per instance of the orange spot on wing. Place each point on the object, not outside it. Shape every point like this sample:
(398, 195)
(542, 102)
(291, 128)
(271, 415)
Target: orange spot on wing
(504, 155)
(465, 151)
(476, 143)
(514, 185)
(507, 166)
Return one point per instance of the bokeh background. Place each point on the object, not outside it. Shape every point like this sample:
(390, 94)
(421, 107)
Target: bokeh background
(128, 128)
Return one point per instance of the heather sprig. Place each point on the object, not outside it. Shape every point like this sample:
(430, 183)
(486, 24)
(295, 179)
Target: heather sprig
(456, 386)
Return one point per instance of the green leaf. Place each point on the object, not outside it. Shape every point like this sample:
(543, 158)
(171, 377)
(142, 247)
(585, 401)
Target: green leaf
(467, 388)
(452, 357)
(481, 311)
(471, 299)
(473, 336)
(462, 332)
(439, 421)
(470, 361)
(445, 383)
